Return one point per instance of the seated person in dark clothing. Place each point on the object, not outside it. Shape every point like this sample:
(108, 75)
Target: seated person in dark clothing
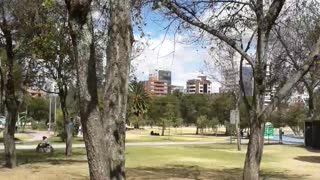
(154, 134)
(241, 132)
(44, 142)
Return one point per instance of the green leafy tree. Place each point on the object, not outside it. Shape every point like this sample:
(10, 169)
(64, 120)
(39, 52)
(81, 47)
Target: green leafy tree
(221, 106)
(38, 109)
(23, 120)
(138, 102)
(193, 106)
(202, 123)
(295, 117)
(213, 124)
(164, 111)
(52, 45)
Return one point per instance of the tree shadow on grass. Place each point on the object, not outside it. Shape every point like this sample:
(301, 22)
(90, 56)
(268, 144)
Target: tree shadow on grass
(56, 158)
(310, 159)
(308, 148)
(1, 139)
(202, 135)
(196, 172)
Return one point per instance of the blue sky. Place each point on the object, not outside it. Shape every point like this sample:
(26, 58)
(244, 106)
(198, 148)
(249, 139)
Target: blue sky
(186, 61)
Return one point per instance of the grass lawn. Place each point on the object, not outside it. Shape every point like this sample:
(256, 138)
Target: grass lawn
(54, 140)
(18, 136)
(175, 162)
(143, 135)
(172, 134)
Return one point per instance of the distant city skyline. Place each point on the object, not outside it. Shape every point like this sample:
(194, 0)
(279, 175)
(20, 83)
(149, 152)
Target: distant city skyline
(184, 61)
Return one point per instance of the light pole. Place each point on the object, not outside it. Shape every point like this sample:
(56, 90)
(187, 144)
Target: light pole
(49, 114)
(55, 108)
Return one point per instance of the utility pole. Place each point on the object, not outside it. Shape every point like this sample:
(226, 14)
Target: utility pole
(55, 108)
(237, 122)
(49, 114)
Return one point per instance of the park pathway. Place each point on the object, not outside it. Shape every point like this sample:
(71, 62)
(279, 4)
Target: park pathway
(62, 146)
(37, 135)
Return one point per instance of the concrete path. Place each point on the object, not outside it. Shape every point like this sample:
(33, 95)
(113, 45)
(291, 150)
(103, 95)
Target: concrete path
(37, 135)
(62, 146)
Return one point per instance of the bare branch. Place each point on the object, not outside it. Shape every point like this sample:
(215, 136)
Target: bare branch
(295, 77)
(272, 14)
(173, 8)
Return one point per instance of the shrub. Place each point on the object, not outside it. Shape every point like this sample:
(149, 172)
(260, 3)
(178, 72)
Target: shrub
(34, 124)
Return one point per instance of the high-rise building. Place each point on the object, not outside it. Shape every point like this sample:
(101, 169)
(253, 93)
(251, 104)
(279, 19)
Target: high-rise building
(156, 87)
(231, 79)
(247, 77)
(162, 75)
(176, 88)
(199, 86)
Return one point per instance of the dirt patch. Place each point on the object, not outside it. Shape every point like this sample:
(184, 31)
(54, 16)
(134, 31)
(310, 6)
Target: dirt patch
(40, 171)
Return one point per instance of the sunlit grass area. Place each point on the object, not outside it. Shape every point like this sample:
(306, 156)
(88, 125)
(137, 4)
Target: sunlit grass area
(172, 134)
(165, 162)
(181, 134)
(18, 136)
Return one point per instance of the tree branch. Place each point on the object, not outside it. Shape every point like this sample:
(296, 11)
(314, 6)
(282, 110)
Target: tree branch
(272, 14)
(173, 8)
(295, 77)
(246, 101)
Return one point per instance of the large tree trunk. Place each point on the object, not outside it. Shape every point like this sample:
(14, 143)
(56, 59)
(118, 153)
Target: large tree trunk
(11, 101)
(162, 130)
(68, 125)
(2, 105)
(83, 50)
(8, 134)
(104, 134)
(254, 151)
(116, 89)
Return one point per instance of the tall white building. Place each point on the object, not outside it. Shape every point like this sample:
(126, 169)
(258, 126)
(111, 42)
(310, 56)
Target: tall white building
(199, 86)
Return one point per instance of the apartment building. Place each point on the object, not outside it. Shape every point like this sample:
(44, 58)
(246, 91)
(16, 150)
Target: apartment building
(199, 86)
(162, 75)
(231, 79)
(174, 88)
(156, 87)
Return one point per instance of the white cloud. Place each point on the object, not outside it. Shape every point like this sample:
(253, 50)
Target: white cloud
(185, 61)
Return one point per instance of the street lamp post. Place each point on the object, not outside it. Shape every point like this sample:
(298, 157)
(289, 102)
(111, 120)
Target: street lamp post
(49, 114)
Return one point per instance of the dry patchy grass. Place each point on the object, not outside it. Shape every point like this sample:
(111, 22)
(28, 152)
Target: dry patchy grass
(173, 162)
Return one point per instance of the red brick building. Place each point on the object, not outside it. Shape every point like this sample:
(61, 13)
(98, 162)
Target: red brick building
(156, 87)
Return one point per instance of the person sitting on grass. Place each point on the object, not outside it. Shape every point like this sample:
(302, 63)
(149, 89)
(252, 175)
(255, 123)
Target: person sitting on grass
(44, 146)
(154, 134)
(44, 142)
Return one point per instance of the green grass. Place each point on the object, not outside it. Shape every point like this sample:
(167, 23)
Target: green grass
(18, 137)
(193, 162)
(54, 140)
(172, 134)
(143, 135)
(204, 156)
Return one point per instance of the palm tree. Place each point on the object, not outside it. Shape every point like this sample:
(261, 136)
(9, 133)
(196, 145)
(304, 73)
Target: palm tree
(138, 102)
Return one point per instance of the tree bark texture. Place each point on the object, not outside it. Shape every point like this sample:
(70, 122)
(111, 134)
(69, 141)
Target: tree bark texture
(116, 88)
(11, 101)
(162, 130)
(66, 121)
(104, 133)
(254, 150)
(83, 50)
(8, 134)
